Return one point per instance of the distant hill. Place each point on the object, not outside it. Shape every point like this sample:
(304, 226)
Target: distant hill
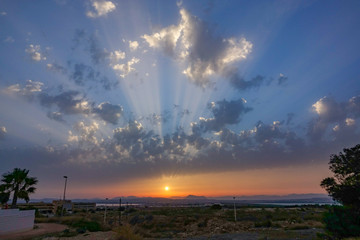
(194, 197)
(191, 199)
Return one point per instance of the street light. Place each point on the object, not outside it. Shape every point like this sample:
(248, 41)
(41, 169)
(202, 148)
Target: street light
(234, 209)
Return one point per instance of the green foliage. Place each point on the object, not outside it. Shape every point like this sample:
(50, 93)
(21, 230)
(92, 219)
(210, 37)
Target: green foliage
(342, 222)
(345, 185)
(83, 224)
(18, 183)
(216, 207)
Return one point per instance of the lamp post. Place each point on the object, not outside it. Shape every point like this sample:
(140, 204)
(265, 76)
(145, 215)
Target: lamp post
(234, 209)
(62, 205)
(105, 210)
(65, 187)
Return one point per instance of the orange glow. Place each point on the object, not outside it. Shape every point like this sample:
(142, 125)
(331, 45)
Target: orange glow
(275, 181)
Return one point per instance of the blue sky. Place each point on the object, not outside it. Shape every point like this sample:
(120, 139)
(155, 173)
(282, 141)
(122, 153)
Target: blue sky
(123, 91)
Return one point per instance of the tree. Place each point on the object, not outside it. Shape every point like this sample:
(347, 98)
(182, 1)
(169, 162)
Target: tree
(19, 183)
(344, 187)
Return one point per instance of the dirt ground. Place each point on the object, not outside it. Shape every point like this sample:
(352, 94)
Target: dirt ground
(87, 236)
(41, 229)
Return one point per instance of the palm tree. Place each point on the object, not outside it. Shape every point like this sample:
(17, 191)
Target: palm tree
(18, 182)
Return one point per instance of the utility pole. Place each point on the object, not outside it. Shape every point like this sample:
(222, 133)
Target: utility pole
(105, 210)
(65, 187)
(63, 202)
(234, 209)
(119, 211)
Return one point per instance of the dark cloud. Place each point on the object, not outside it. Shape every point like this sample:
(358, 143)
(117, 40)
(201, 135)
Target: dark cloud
(57, 116)
(224, 113)
(91, 45)
(331, 116)
(240, 83)
(69, 102)
(108, 112)
(290, 117)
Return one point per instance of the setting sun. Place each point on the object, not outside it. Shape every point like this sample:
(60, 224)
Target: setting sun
(166, 188)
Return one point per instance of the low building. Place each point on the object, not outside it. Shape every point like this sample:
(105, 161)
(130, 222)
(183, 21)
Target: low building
(66, 205)
(84, 206)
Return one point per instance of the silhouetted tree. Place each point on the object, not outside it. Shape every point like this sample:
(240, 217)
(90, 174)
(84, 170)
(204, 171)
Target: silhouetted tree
(19, 183)
(344, 187)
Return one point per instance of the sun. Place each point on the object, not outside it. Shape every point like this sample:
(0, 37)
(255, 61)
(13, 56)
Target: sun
(166, 188)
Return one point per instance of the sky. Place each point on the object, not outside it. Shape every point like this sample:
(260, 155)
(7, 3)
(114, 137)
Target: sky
(211, 98)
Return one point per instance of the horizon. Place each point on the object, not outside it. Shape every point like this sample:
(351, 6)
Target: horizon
(168, 98)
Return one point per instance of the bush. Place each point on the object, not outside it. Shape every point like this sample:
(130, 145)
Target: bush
(342, 222)
(84, 225)
(126, 232)
(216, 207)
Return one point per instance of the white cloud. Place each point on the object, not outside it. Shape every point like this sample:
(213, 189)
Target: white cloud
(133, 45)
(126, 68)
(86, 133)
(350, 121)
(9, 39)
(35, 53)
(117, 55)
(194, 43)
(2, 132)
(3, 13)
(101, 8)
(29, 89)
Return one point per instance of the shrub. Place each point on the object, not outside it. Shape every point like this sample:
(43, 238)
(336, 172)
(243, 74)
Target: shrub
(126, 232)
(216, 207)
(87, 225)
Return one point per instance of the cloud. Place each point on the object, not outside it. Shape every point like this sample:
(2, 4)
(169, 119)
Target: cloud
(86, 133)
(133, 45)
(30, 89)
(3, 13)
(35, 53)
(240, 83)
(125, 68)
(56, 68)
(282, 79)
(117, 55)
(9, 39)
(224, 113)
(333, 115)
(57, 116)
(69, 102)
(190, 41)
(101, 8)
(3, 132)
(82, 74)
(108, 112)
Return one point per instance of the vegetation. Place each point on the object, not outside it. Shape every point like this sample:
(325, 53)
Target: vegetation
(187, 222)
(19, 183)
(344, 187)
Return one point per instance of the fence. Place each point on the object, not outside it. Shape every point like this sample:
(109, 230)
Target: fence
(13, 220)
